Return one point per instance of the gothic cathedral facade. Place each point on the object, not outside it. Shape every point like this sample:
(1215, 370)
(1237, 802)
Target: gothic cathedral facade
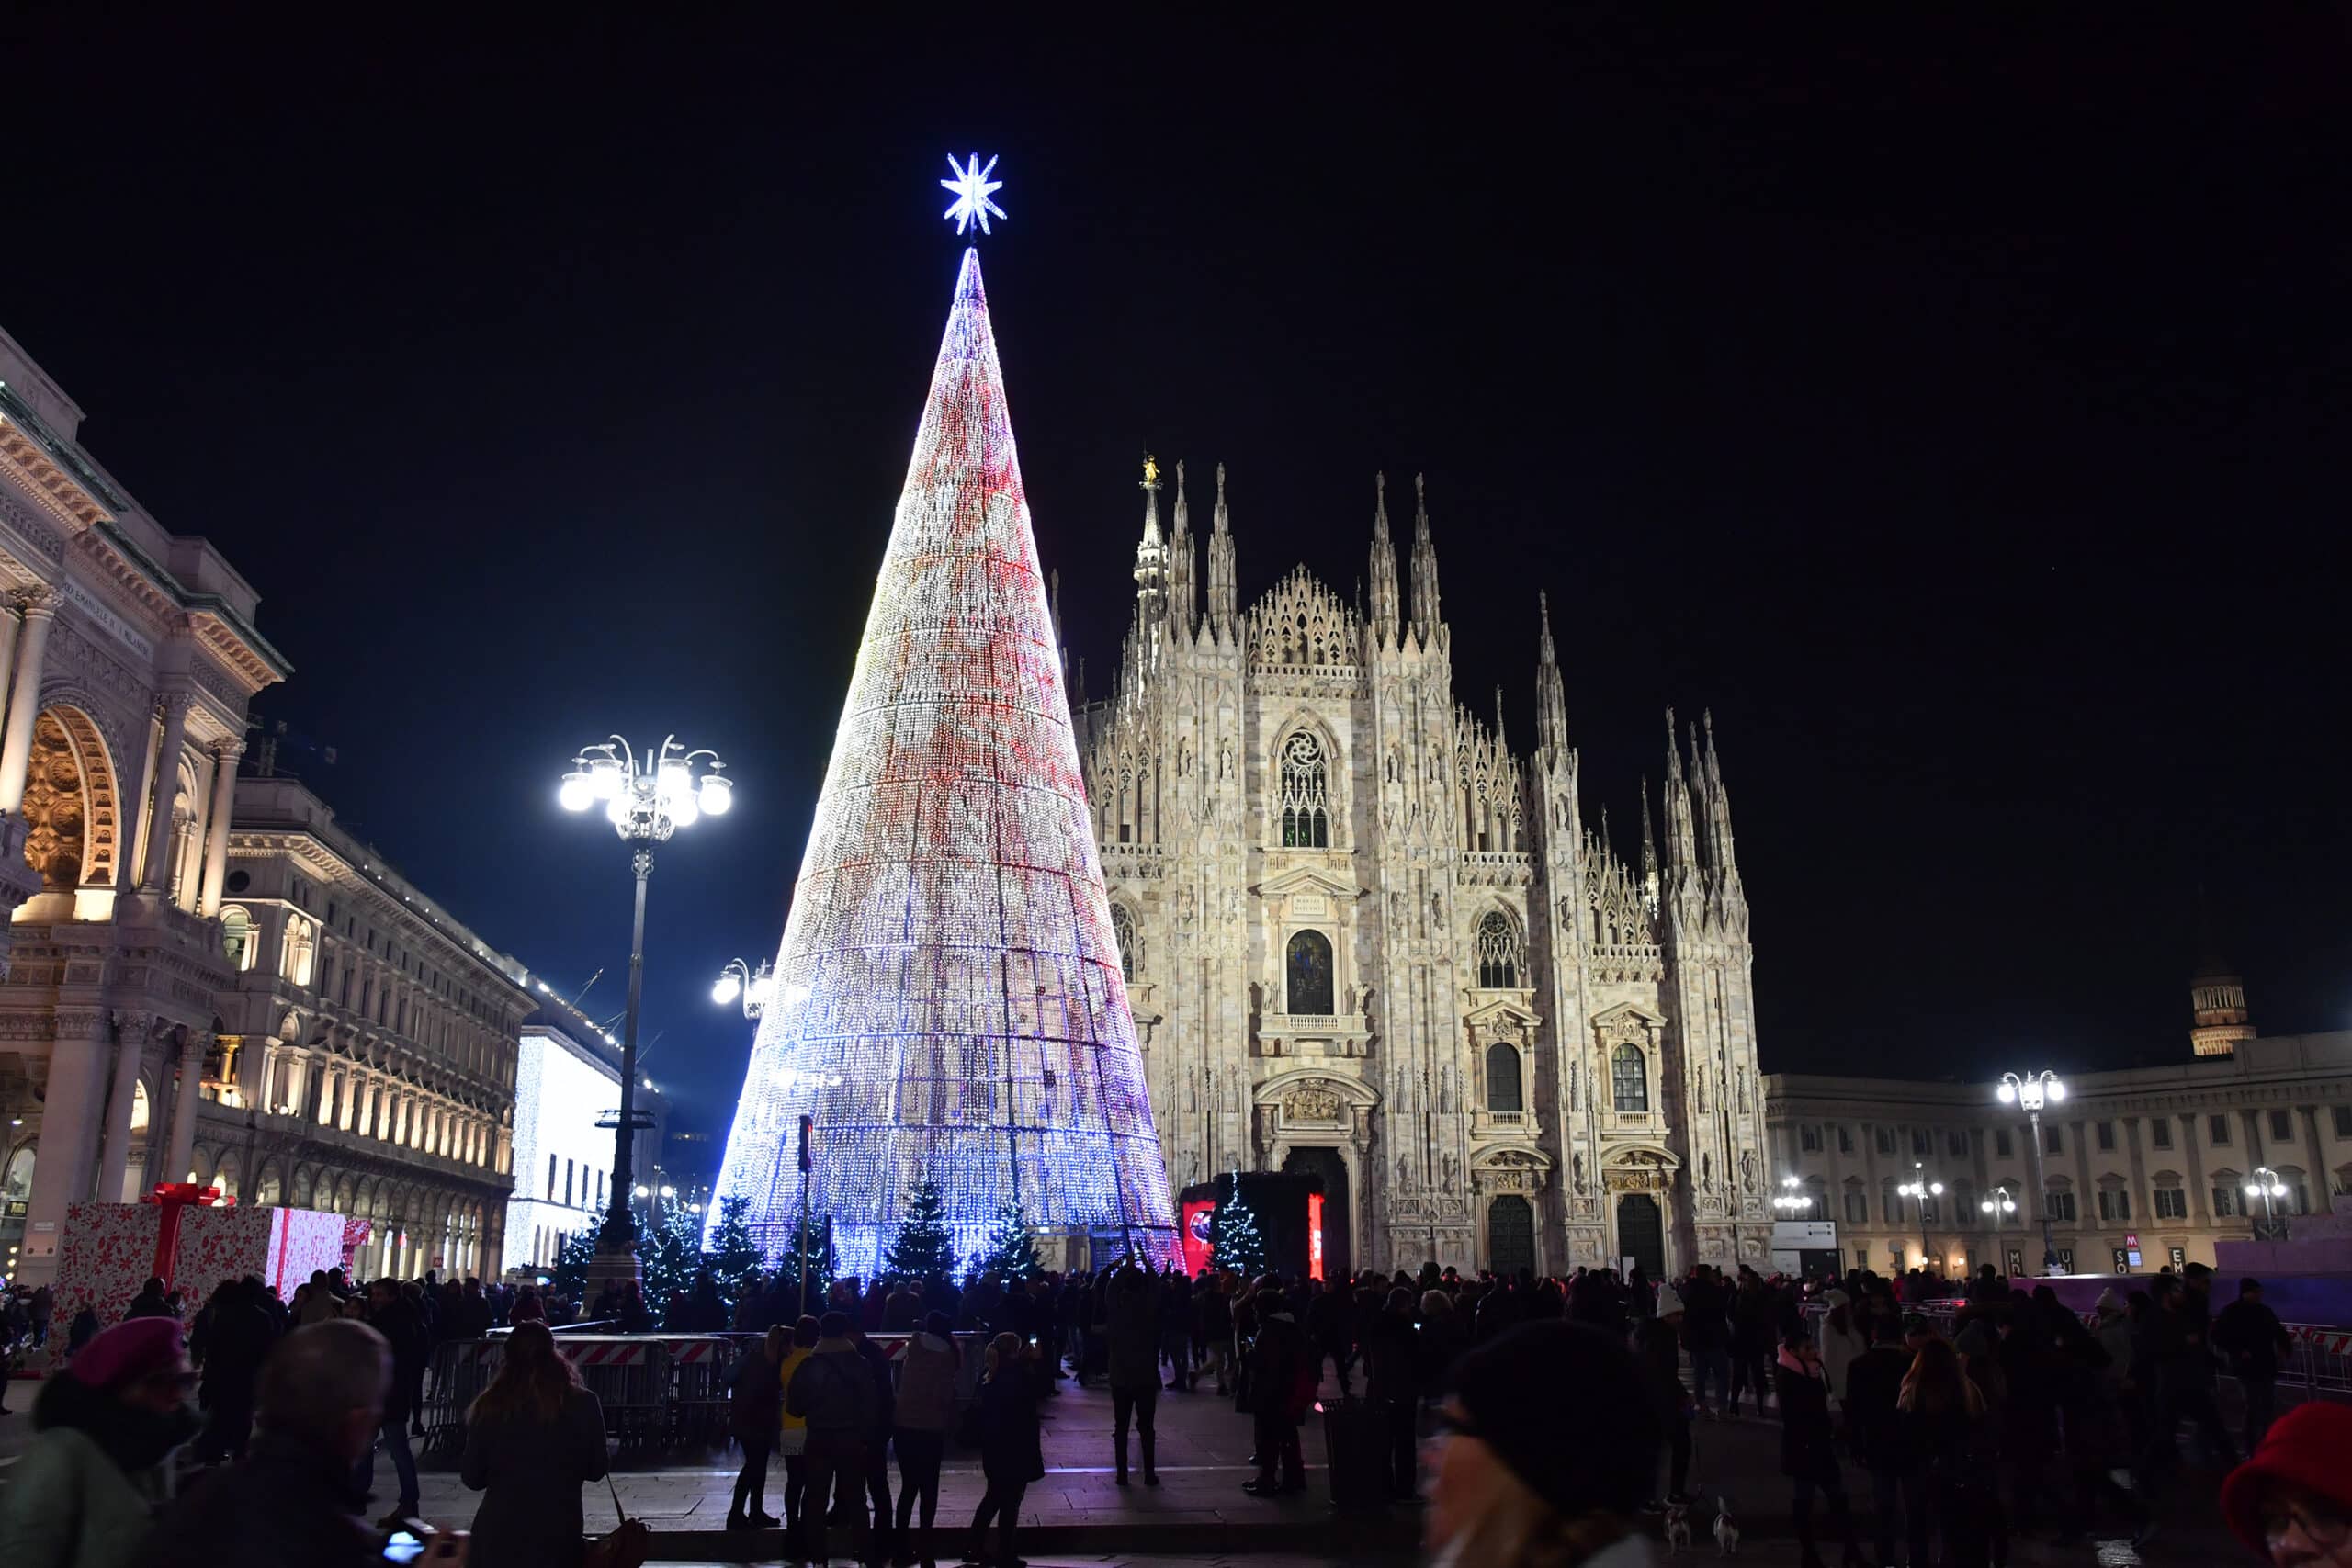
(1364, 940)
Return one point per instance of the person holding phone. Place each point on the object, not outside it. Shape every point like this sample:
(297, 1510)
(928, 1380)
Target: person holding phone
(293, 1501)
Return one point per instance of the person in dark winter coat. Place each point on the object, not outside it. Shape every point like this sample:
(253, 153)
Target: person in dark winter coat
(1809, 1444)
(294, 1498)
(2250, 1335)
(533, 1438)
(833, 1393)
(398, 1322)
(924, 1414)
(1282, 1372)
(1392, 1383)
(1011, 1454)
(1657, 1344)
(1134, 1318)
(1873, 1381)
(237, 1339)
(756, 1405)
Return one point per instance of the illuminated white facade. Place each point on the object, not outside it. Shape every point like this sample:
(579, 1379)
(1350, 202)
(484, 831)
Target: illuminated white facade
(1365, 940)
(565, 1077)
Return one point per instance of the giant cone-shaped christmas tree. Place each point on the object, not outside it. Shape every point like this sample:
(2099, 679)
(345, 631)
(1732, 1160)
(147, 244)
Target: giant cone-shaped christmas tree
(947, 1002)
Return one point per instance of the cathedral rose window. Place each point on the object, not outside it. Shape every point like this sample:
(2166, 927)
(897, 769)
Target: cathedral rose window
(1497, 951)
(1308, 968)
(1306, 795)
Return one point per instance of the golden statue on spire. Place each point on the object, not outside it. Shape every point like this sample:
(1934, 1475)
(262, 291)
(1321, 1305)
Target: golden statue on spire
(1150, 471)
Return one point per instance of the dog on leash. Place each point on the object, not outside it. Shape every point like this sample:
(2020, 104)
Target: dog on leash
(1726, 1529)
(1677, 1528)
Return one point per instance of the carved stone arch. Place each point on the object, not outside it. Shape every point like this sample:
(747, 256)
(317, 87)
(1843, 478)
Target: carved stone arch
(73, 808)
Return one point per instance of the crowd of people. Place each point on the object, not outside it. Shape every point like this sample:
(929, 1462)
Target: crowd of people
(1963, 1417)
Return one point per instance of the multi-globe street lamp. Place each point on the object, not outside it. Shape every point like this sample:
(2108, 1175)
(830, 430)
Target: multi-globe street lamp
(740, 981)
(646, 801)
(1792, 1199)
(2033, 1093)
(2266, 1186)
(1920, 1190)
(1999, 1204)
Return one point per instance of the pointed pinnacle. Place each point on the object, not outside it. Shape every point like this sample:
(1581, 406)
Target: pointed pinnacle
(1220, 498)
(1379, 505)
(1421, 508)
(1544, 614)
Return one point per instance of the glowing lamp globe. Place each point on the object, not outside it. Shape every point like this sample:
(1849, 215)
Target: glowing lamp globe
(605, 774)
(577, 793)
(716, 795)
(2009, 1093)
(616, 809)
(2057, 1090)
(727, 990)
(683, 812)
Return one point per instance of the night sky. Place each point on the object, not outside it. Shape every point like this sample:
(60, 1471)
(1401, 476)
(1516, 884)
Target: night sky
(1961, 417)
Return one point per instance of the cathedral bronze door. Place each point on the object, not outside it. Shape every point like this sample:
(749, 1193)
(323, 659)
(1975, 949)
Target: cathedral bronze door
(1332, 1166)
(1641, 1235)
(1510, 1237)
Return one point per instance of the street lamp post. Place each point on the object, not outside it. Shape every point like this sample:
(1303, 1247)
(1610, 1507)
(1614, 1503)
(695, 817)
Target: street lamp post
(646, 801)
(1792, 1201)
(740, 982)
(2033, 1093)
(2266, 1185)
(1920, 1190)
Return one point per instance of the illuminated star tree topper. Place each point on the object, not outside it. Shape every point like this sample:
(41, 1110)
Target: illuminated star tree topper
(970, 187)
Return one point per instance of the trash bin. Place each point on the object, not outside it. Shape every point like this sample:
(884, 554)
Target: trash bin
(1355, 1439)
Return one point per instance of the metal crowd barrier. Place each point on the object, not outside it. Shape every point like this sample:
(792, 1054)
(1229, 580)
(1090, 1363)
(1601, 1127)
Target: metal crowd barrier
(2319, 1365)
(658, 1391)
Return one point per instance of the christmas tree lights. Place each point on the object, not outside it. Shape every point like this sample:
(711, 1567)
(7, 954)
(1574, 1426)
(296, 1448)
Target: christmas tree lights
(922, 1249)
(948, 1004)
(1011, 1252)
(1235, 1240)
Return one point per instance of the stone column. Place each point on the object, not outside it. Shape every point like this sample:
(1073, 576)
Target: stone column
(215, 840)
(9, 626)
(24, 699)
(68, 1141)
(130, 1039)
(155, 875)
(183, 1144)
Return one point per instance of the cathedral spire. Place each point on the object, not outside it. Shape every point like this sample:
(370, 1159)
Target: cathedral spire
(1221, 567)
(1151, 554)
(1502, 741)
(1551, 696)
(1386, 608)
(1681, 838)
(1426, 618)
(1722, 859)
(1649, 847)
(1184, 602)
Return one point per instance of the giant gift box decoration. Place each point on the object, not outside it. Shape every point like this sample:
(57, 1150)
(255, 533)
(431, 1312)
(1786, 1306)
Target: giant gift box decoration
(947, 1000)
(109, 1249)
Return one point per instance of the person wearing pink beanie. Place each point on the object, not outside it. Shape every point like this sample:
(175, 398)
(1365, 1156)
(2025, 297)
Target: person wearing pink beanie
(81, 1495)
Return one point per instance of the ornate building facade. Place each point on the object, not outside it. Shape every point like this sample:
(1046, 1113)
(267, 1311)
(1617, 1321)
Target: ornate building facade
(201, 980)
(1366, 939)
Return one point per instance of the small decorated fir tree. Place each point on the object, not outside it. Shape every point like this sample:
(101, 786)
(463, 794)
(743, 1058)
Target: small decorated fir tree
(1235, 1240)
(732, 1252)
(820, 1267)
(1011, 1252)
(568, 1276)
(669, 1255)
(922, 1248)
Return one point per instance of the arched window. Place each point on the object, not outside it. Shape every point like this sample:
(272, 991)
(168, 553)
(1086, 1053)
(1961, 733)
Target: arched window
(1305, 794)
(1629, 1077)
(1123, 928)
(1503, 1092)
(237, 936)
(1497, 951)
(1308, 968)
